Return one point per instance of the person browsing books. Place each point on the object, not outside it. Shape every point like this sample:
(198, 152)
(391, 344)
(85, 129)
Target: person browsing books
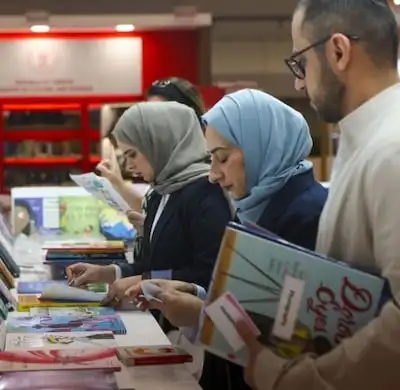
(259, 147)
(346, 60)
(186, 214)
(114, 164)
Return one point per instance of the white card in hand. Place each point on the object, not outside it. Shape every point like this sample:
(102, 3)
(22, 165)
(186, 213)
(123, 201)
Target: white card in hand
(150, 291)
(224, 313)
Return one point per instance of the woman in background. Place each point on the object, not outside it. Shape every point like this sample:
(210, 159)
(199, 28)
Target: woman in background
(186, 214)
(259, 147)
(170, 89)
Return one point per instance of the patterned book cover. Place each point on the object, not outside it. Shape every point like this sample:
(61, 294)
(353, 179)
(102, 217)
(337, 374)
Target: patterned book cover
(61, 380)
(27, 302)
(24, 287)
(151, 355)
(72, 311)
(40, 287)
(63, 359)
(6, 276)
(299, 300)
(48, 324)
(59, 340)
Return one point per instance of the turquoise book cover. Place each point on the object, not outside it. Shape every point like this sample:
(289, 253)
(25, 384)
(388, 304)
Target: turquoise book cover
(300, 301)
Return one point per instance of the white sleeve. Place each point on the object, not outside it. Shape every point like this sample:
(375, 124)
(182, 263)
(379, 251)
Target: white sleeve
(118, 272)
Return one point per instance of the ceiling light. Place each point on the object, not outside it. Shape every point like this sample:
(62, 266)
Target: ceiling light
(124, 27)
(40, 28)
(396, 2)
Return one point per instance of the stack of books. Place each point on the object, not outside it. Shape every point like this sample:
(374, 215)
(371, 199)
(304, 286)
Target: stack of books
(60, 255)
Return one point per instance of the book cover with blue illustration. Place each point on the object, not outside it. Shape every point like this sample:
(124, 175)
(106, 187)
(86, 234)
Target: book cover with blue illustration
(301, 301)
(35, 287)
(84, 323)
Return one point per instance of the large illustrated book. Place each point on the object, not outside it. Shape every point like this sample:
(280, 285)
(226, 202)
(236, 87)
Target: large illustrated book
(92, 379)
(63, 359)
(49, 324)
(299, 300)
(59, 340)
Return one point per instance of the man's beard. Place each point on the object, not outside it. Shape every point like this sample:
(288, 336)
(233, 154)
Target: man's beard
(330, 100)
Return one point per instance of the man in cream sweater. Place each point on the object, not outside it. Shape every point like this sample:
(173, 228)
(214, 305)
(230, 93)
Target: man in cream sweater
(345, 59)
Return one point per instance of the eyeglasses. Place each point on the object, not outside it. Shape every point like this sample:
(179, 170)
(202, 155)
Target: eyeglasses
(297, 62)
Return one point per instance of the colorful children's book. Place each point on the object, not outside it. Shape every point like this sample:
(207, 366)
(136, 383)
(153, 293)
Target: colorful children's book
(63, 359)
(60, 340)
(72, 311)
(47, 324)
(35, 287)
(102, 189)
(299, 300)
(150, 355)
(27, 302)
(91, 379)
(40, 287)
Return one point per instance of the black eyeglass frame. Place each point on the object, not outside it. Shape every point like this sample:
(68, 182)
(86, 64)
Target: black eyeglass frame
(294, 63)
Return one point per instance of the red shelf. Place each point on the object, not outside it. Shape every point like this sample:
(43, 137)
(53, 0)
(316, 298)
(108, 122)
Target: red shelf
(41, 135)
(42, 160)
(94, 160)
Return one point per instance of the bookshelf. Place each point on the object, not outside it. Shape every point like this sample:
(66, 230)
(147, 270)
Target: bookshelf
(43, 140)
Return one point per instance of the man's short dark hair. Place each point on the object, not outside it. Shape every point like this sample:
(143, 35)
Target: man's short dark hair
(371, 20)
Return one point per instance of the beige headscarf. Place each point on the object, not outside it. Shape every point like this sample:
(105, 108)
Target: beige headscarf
(170, 136)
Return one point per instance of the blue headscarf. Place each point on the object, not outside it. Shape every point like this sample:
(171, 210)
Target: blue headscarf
(274, 138)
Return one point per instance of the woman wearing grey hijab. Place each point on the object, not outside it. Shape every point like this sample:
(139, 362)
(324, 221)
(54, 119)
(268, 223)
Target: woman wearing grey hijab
(186, 214)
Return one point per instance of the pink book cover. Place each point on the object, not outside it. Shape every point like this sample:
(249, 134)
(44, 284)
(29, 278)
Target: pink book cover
(63, 359)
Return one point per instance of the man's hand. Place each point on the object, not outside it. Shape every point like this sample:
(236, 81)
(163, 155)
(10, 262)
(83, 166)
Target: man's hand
(254, 347)
(116, 291)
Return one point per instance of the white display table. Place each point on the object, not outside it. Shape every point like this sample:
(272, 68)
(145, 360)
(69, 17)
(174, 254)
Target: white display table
(143, 329)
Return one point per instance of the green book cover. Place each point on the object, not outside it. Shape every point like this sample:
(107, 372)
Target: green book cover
(79, 215)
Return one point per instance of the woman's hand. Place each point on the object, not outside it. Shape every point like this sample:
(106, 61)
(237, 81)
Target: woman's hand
(110, 171)
(116, 291)
(180, 309)
(80, 274)
(137, 220)
(177, 285)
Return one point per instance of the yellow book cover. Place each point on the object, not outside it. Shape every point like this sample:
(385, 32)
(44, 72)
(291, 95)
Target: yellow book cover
(7, 274)
(27, 302)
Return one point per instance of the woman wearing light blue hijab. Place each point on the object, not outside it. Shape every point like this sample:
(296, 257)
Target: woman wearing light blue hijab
(259, 147)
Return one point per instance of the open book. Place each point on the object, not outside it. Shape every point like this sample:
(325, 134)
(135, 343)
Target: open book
(102, 189)
(62, 292)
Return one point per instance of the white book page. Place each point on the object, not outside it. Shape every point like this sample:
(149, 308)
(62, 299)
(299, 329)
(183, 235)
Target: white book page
(101, 189)
(58, 291)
